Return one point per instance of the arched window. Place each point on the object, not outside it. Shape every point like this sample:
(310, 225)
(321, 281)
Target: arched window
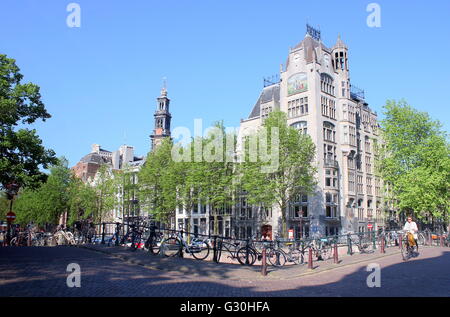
(329, 132)
(326, 83)
(302, 126)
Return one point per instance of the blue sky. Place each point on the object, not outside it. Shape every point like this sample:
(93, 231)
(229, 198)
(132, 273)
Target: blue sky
(99, 82)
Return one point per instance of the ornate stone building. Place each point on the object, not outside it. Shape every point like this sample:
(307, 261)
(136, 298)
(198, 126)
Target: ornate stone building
(315, 92)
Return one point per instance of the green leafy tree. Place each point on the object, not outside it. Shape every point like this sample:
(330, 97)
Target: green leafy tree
(106, 189)
(415, 162)
(218, 186)
(82, 201)
(158, 182)
(48, 202)
(4, 205)
(21, 151)
(294, 174)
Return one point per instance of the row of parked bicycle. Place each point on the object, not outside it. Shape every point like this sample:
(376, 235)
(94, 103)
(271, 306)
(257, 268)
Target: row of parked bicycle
(173, 243)
(248, 252)
(34, 236)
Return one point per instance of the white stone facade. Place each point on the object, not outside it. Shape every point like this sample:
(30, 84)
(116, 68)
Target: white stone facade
(315, 92)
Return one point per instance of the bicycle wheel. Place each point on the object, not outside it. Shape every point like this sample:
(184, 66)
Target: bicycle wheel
(13, 242)
(200, 251)
(135, 242)
(153, 245)
(296, 256)
(171, 246)
(58, 239)
(302, 256)
(405, 250)
(241, 255)
(325, 253)
(276, 257)
(70, 238)
(421, 239)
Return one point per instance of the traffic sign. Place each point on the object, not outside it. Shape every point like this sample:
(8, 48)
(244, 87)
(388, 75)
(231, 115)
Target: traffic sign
(10, 217)
(291, 233)
(369, 226)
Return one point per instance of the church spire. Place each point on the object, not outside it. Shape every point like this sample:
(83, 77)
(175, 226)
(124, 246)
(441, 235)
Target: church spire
(164, 87)
(162, 118)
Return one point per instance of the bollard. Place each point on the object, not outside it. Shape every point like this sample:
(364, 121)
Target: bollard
(180, 253)
(400, 242)
(247, 252)
(277, 254)
(219, 249)
(310, 259)
(336, 255)
(442, 241)
(382, 245)
(215, 250)
(162, 249)
(349, 244)
(103, 233)
(117, 234)
(264, 262)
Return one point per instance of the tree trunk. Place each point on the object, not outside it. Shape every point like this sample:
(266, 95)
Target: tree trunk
(216, 224)
(283, 221)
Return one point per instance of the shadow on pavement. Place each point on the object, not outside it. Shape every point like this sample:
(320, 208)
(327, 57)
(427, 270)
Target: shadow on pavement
(42, 272)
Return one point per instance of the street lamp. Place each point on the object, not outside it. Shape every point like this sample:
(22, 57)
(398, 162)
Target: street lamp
(11, 190)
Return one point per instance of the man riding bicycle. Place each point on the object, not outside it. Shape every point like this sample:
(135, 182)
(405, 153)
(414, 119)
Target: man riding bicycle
(411, 228)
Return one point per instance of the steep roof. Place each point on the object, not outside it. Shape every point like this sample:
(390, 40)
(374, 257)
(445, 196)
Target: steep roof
(309, 45)
(269, 93)
(92, 158)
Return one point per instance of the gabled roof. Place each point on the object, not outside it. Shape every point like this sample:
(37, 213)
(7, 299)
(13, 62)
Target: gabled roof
(309, 45)
(269, 93)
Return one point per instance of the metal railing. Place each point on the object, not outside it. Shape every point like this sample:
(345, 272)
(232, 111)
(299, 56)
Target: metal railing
(248, 251)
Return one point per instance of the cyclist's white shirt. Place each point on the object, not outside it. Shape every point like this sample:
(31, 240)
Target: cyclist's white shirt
(411, 227)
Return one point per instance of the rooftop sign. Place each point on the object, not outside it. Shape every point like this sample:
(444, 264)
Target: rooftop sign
(315, 34)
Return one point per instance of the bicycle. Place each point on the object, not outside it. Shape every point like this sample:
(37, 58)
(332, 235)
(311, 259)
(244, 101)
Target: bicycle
(279, 257)
(408, 244)
(320, 248)
(19, 239)
(388, 237)
(172, 246)
(362, 241)
(62, 237)
(248, 254)
(136, 237)
(114, 240)
(232, 250)
(421, 239)
(153, 242)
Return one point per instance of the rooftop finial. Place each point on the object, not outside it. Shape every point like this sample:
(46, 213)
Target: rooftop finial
(339, 43)
(164, 88)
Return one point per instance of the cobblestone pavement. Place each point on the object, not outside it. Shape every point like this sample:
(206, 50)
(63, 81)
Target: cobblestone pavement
(41, 271)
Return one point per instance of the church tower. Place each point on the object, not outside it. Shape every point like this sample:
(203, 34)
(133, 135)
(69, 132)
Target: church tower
(162, 119)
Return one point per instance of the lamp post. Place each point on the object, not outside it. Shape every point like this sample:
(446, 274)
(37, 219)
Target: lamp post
(11, 190)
